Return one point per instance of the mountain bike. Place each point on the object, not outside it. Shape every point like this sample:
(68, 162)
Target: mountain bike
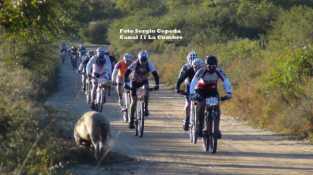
(193, 121)
(102, 84)
(194, 127)
(140, 111)
(211, 114)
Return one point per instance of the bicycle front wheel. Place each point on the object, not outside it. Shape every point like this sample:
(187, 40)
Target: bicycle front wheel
(141, 120)
(214, 138)
(193, 132)
(207, 136)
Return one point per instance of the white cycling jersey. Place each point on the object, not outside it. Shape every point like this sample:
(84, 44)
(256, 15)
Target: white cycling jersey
(211, 79)
(104, 71)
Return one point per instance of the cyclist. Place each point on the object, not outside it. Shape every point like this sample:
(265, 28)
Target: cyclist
(118, 76)
(98, 68)
(113, 62)
(82, 50)
(204, 84)
(63, 51)
(186, 68)
(140, 70)
(186, 74)
(74, 57)
(82, 66)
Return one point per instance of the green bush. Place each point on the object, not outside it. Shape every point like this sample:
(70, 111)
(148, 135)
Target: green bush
(291, 70)
(293, 28)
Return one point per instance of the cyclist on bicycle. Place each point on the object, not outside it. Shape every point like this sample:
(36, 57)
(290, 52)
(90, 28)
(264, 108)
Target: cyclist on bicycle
(85, 57)
(82, 50)
(204, 84)
(140, 70)
(98, 68)
(118, 76)
(63, 51)
(186, 74)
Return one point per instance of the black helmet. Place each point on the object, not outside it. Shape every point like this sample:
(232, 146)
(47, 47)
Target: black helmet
(211, 60)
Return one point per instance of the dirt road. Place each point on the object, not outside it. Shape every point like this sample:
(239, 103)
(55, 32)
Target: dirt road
(165, 148)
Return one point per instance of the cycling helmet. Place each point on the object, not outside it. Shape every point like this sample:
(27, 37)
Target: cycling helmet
(211, 62)
(143, 57)
(191, 56)
(128, 57)
(197, 64)
(101, 51)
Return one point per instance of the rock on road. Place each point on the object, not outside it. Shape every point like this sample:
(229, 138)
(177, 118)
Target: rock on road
(166, 149)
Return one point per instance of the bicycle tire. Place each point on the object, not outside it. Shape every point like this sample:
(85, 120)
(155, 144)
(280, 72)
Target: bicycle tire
(194, 130)
(136, 120)
(206, 137)
(214, 139)
(142, 120)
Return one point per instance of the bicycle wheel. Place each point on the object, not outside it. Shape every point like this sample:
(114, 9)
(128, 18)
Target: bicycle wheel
(137, 113)
(193, 132)
(214, 138)
(141, 119)
(206, 137)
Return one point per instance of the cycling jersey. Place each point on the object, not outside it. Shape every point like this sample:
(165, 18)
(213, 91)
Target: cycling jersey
(140, 72)
(93, 68)
(119, 71)
(206, 82)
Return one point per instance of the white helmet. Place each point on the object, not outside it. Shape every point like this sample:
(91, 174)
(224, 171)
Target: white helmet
(191, 56)
(197, 63)
(128, 57)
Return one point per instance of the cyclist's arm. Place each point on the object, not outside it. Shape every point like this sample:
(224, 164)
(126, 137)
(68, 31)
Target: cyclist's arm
(89, 65)
(193, 83)
(108, 65)
(226, 82)
(156, 78)
(155, 73)
(181, 77)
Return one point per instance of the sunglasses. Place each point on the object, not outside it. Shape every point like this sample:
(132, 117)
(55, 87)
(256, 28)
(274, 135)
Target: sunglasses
(211, 66)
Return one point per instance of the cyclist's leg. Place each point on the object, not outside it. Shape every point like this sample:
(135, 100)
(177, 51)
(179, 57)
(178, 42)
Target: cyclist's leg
(187, 115)
(119, 90)
(93, 94)
(133, 105)
(217, 124)
(84, 81)
(200, 116)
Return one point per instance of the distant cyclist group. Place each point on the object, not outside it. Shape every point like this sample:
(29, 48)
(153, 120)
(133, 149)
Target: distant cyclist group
(130, 75)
